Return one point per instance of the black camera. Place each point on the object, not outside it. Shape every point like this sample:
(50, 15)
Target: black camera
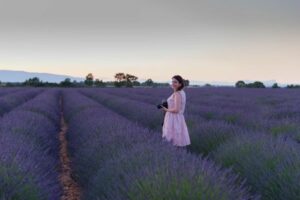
(163, 104)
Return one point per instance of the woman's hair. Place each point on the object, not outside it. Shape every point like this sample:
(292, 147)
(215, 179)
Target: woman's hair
(180, 80)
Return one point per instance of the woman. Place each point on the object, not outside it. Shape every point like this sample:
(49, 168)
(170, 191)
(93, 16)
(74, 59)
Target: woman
(174, 127)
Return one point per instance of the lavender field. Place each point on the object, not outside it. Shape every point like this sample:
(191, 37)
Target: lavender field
(245, 145)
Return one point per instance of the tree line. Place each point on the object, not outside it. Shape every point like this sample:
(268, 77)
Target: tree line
(258, 84)
(121, 80)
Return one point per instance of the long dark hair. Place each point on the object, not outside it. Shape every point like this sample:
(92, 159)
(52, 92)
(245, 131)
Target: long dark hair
(180, 80)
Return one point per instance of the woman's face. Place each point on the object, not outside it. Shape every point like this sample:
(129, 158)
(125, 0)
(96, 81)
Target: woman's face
(175, 84)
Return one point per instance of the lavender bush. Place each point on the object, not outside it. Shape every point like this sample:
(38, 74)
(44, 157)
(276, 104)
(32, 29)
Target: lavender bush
(206, 136)
(5, 91)
(225, 118)
(116, 149)
(11, 100)
(28, 149)
(271, 165)
(134, 110)
(151, 170)
(122, 160)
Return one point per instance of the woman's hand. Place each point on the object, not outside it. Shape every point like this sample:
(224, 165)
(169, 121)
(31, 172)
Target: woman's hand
(164, 108)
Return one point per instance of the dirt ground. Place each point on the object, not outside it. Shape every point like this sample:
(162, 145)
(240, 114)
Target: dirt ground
(71, 190)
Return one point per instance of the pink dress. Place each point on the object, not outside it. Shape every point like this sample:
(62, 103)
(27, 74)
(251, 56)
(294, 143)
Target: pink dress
(174, 127)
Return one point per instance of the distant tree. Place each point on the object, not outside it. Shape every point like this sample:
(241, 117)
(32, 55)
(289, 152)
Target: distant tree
(293, 86)
(78, 83)
(148, 82)
(66, 83)
(130, 79)
(99, 83)
(275, 85)
(256, 84)
(120, 79)
(74, 83)
(162, 85)
(110, 83)
(186, 82)
(9, 84)
(207, 85)
(136, 83)
(89, 79)
(34, 82)
(240, 84)
(127, 80)
(49, 84)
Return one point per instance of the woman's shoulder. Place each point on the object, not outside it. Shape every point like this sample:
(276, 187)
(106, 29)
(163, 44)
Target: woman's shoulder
(179, 93)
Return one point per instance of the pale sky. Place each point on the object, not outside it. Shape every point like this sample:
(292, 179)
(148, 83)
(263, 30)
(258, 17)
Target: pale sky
(205, 40)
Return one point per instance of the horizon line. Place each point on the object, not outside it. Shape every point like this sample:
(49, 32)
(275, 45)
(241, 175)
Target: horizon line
(161, 81)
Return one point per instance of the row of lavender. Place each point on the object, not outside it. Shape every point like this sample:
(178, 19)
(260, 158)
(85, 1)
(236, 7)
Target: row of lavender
(270, 164)
(272, 111)
(10, 98)
(5, 91)
(226, 110)
(115, 158)
(29, 145)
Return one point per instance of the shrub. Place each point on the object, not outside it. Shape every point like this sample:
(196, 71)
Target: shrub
(271, 165)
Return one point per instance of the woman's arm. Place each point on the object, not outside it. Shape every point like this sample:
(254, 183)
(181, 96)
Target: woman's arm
(176, 109)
